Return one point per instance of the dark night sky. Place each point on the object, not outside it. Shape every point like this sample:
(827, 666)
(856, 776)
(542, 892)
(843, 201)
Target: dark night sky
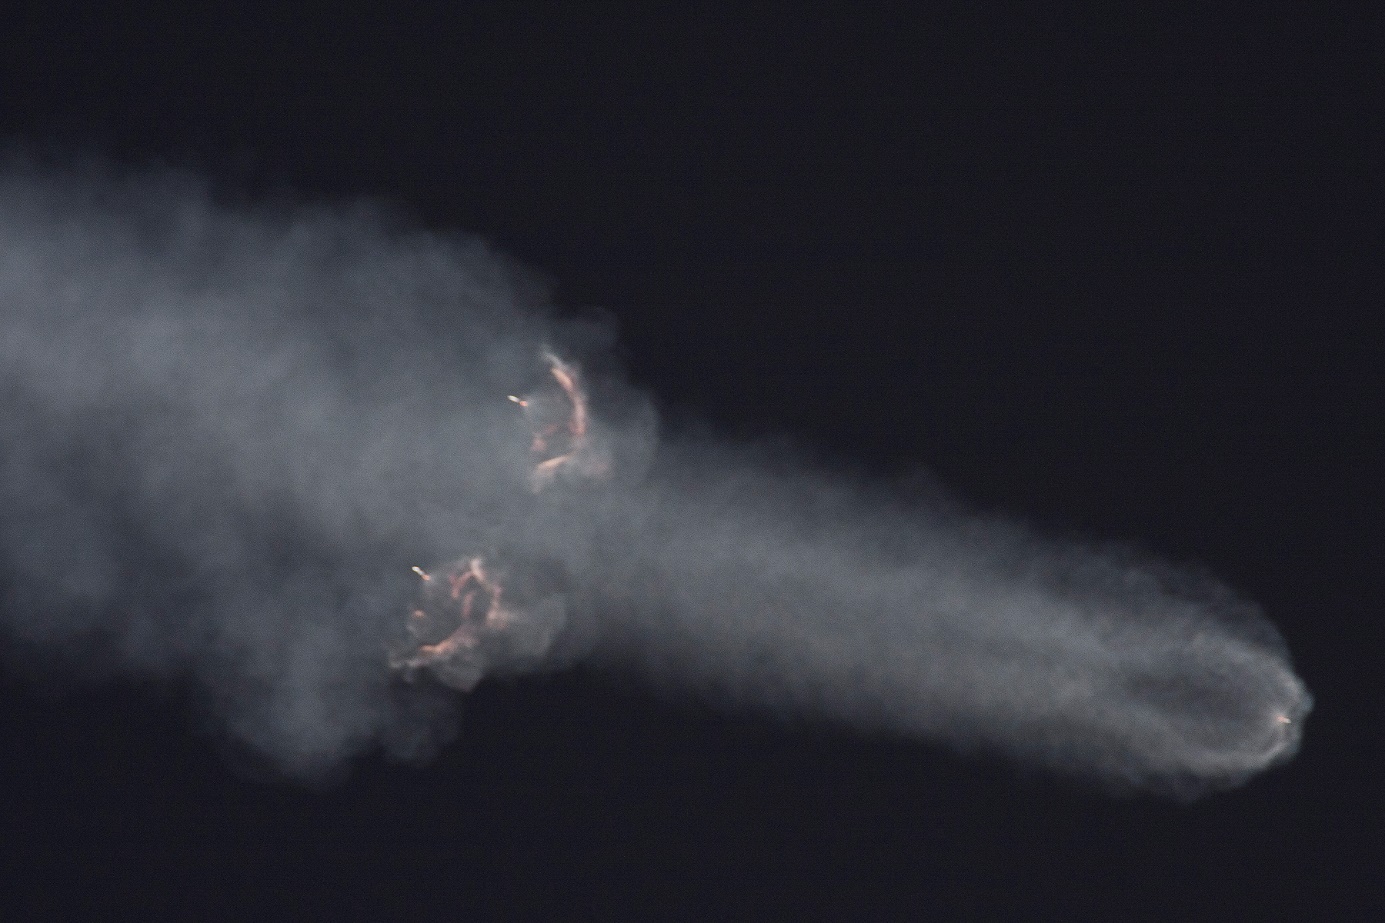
(1114, 275)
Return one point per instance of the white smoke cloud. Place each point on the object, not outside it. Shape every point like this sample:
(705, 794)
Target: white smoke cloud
(227, 433)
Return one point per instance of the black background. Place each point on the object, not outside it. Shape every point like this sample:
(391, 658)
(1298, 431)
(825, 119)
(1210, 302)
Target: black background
(1114, 274)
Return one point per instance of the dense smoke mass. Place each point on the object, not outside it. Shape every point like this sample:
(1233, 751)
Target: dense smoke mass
(229, 432)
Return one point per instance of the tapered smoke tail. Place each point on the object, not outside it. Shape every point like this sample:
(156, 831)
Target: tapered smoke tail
(797, 593)
(227, 436)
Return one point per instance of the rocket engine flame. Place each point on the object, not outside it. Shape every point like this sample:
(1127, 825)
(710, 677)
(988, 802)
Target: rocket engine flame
(464, 627)
(562, 442)
(469, 597)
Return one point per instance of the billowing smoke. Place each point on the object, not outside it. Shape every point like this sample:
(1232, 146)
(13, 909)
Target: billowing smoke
(229, 433)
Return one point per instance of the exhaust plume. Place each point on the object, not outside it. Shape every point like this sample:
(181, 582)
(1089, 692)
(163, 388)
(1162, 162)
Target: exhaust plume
(229, 435)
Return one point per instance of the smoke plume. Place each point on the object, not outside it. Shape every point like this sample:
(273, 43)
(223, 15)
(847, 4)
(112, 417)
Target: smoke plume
(229, 432)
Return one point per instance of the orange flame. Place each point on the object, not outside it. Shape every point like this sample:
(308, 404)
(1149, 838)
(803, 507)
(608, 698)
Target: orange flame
(469, 599)
(576, 452)
(473, 598)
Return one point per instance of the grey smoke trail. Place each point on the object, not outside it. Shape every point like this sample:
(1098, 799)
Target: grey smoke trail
(227, 433)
